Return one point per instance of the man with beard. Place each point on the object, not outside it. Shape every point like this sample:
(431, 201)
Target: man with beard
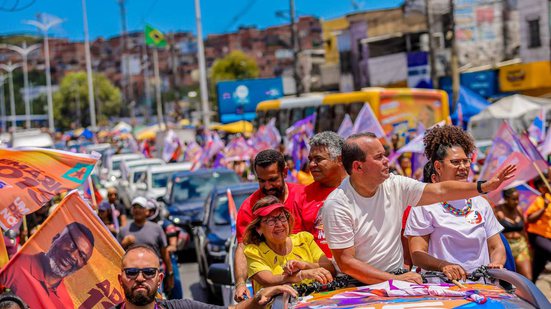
(325, 160)
(140, 279)
(270, 169)
(38, 278)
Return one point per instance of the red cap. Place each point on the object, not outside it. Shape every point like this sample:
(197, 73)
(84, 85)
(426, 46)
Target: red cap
(264, 211)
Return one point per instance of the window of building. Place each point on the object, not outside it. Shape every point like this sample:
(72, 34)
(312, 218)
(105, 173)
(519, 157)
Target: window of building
(534, 37)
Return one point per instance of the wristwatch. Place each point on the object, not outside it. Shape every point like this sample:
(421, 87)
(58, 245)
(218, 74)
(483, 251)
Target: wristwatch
(479, 186)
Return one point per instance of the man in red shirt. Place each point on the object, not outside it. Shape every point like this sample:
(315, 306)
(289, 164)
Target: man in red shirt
(325, 161)
(270, 170)
(38, 278)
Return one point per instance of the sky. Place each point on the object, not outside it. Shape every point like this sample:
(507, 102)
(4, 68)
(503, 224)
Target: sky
(218, 16)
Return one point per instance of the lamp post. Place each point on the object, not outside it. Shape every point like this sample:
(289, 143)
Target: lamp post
(24, 51)
(91, 102)
(202, 66)
(9, 68)
(3, 102)
(45, 27)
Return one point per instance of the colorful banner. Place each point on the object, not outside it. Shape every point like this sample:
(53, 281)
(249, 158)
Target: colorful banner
(31, 177)
(367, 122)
(345, 129)
(537, 128)
(72, 261)
(154, 37)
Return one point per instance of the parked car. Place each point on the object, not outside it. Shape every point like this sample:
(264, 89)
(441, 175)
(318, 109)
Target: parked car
(157, 178)
(188, 191)
(211, 237)
(112, 170)
(32, 138)
(132, 173)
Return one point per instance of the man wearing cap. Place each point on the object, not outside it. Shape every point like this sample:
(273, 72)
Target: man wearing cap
(143, 232)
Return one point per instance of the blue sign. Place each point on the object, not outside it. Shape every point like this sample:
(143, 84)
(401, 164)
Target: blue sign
(419, 70)
(484, 83)
(237, 100)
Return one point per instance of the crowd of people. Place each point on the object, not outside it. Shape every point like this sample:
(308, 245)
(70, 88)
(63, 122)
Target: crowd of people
(351, 212)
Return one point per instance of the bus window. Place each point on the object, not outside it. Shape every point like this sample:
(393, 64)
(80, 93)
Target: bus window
(260, 119)
(284, 118)
(271, 114)
(296, 115)
(339, 111)
(354, 110)
(309, 111)
(324, 119)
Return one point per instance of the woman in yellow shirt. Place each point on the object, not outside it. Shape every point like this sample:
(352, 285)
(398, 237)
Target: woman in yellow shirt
(275, 256)
(538, 217)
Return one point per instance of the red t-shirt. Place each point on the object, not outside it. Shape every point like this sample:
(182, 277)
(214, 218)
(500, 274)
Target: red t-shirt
(245, 213)
(306, 212)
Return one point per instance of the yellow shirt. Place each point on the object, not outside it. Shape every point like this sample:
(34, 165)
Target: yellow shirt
(541, 227)
(261, 257)
(304, 178)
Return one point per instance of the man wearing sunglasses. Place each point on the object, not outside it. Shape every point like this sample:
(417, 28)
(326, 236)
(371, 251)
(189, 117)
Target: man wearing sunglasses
(141, 278)
(43, 273)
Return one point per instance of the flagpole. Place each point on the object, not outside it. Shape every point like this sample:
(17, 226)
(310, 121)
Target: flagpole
(158, 88)
(92, 193)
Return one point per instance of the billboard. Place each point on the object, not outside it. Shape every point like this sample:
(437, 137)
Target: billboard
(237, 100)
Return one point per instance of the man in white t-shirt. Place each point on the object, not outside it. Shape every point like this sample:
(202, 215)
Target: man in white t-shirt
(362, 218)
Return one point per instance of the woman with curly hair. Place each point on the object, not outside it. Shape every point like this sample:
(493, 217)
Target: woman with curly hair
(454, 237)
(275, 256)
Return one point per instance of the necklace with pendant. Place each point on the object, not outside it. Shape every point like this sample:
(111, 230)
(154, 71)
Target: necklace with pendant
(458, 212)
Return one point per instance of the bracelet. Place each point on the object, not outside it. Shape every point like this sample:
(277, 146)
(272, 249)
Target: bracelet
(241, 283)
(479, 186)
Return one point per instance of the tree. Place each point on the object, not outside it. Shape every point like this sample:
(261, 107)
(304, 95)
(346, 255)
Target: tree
(235, 65)
(71, 100)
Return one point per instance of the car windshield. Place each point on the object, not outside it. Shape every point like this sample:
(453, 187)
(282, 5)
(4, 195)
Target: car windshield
(116, 165)
(199, 186)
(160, 180)
(221, 213)
(139, 176)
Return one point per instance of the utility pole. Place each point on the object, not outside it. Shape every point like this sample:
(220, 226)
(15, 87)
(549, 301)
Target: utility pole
(158, 88)
(454, 60)
(9, 68)
(91, 102)
(3, 102)
(126, 59)
(432, 58)
(202, 66)
(294, 42)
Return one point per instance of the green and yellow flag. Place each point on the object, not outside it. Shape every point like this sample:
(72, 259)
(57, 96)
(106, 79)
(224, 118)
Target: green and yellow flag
(154, 37)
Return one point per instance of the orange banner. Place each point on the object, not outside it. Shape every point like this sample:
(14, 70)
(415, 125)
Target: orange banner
(31, 177)
(72, 261)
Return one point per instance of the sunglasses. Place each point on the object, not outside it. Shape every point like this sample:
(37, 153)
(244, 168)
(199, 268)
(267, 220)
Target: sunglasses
(147, 273)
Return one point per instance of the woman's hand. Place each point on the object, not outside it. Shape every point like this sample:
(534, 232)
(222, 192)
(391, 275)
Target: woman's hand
(495, 265)
(496, 181)
(265, 295)
(454, 272)
(293, 266)
(321, 275)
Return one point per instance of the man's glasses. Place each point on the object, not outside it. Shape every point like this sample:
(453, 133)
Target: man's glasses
(272, 220)
(148, 273)
(459, 162)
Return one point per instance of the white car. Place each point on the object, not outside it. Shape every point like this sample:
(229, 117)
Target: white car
(157, 178)
(133, 172)
(114, 164)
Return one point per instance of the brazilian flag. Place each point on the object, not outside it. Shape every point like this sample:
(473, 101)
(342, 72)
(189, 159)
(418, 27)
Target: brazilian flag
(154, 37)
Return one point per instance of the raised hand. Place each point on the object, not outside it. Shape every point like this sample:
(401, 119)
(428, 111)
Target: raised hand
(505, 174)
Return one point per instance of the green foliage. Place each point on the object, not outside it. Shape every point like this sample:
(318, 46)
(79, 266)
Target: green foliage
(73, 92)
(235, 65)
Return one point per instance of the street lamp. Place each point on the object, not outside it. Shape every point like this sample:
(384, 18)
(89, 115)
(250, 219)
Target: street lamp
(3, 102)
(24, 51)
(91, 102)
(45, 27)
(9, 68)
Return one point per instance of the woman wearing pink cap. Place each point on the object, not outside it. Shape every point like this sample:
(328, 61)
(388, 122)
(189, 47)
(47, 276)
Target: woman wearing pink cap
(275, 256)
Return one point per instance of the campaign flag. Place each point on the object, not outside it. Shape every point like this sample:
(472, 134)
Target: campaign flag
(416, 144)
(154, 37)
(304, 126)
(345, 129)
(46, 274)
(526, 195)
(172, 148)
(545, 147)
(91, 192)
(537, 128)
(4, 257)
(30, 177)
(232, 210)
(367, 122)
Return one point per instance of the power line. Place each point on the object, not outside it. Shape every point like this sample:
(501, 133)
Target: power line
(244, 11)
(16, 7)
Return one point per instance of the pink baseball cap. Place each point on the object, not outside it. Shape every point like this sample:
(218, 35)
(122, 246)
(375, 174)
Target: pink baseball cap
(264, 211)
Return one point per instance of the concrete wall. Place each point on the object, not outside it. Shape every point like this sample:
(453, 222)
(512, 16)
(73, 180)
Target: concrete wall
(529, 10)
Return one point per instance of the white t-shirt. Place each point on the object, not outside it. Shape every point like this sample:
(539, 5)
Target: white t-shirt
(457, 239)
(372, 225)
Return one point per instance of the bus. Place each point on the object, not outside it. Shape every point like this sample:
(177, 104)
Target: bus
(398, 109)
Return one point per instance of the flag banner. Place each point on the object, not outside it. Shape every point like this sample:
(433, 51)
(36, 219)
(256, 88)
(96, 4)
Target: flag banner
(172, 147)
(545, 147)
(238, 150)
(154, 37)
(526, 195)
(30, 177)
(266, 137)
(303, 126)
(367, 122)
(416, 144)
(233, 211)
(72, 261)
(345, 129)
(525, 172)
(91, 193)
(537, 128)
